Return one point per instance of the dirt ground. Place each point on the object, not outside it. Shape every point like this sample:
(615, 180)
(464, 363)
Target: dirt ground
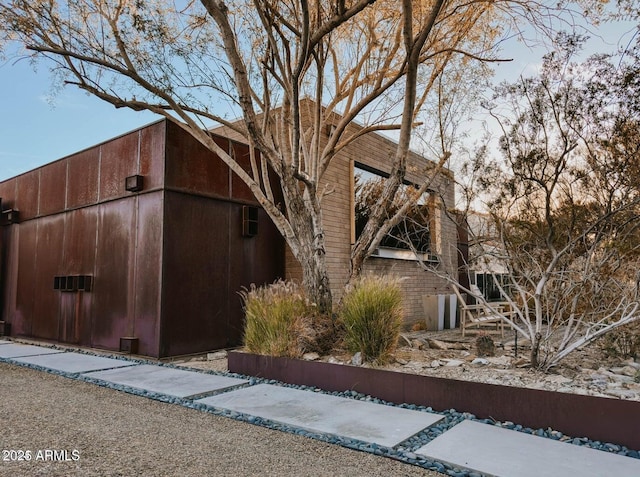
(447, 354)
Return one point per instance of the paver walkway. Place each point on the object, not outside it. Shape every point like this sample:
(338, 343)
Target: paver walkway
(471, 445)
(365, 421)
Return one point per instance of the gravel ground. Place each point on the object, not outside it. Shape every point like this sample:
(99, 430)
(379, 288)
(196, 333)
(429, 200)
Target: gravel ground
(116, 434)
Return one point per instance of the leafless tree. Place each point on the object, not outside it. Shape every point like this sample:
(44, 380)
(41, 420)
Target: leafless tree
(567, 212)
(376, 60)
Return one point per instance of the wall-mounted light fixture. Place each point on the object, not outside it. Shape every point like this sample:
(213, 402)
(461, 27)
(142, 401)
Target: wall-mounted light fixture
(133, 183)
(10, 216)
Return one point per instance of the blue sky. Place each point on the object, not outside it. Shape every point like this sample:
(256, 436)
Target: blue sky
(35, 131)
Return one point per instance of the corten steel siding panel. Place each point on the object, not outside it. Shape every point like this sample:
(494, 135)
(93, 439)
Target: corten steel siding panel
(9, 256)
(118, 159)
(190, 167)
(114, 271)
(50, 235)
(79, 254)
(9, 277)
(255, 260)
(27, 194)
(8, 192)
(70, 317)
(260, 258)
(239, 190)
(152, 143)
(148, 273)
(195, 305)
(26, 278)
(83, 170)
(53, 186)
(79, 249)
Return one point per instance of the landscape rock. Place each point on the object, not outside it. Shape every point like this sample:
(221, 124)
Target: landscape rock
(453, 363)
(437, 344)
(621, 378)
(311, 356)
(557, 379)
(357, 359)
(625, 371)
(623, 393)
(521, 362)
(482, 361)
(435, 363)
(416, 365)
(217, 355)
(417, 344)
(462, 346)
(499, 360)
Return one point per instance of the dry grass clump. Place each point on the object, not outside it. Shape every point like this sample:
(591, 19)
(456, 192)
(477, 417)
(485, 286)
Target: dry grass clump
(274, 316)
(485, 345)
(371, 315)
(280, 321)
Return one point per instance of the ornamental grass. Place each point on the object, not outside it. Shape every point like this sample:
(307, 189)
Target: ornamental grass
(371, 315)
(274, 316)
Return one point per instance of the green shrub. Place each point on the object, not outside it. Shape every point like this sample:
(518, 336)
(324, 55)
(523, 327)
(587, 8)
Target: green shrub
(274, 319)
(371, 315)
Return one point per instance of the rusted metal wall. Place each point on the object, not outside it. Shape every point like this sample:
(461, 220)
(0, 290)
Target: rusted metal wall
(47, 263)
(80, 230)
(8, 269)
(166, 262)
(207, 261)
(76, 218)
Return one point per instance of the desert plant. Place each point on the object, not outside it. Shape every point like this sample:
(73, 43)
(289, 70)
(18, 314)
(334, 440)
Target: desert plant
(623, 342)
(274, 318)
(371, 315)
(485, 345)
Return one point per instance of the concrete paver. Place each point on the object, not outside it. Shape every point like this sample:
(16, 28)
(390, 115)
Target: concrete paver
(15, 350)
(365, 421)
(500, 452)
(165, 380)
(74, 362)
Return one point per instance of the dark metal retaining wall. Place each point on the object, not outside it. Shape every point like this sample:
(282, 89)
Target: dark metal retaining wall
(603, 419)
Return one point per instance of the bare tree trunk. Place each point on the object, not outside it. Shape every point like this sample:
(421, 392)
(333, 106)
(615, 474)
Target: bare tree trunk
(307, 241)
(315, 280)
(536, 341)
